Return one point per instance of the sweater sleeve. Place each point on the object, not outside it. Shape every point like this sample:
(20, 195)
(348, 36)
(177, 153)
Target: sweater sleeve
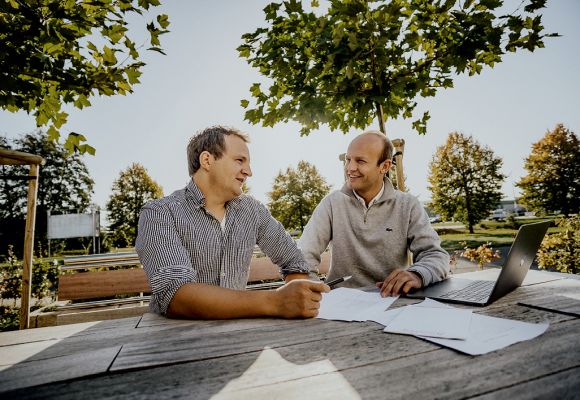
(317, 234)
(430, 260)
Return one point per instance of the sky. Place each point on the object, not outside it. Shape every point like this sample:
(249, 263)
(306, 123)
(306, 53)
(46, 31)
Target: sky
(202, 80)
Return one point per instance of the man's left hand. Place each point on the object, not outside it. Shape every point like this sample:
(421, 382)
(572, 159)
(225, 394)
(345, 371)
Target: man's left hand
(398, 282)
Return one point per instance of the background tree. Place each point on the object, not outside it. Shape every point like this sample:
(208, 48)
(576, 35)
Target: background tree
(295, 194)
(131, 191)
(360, 59)
(55, 52)
(553, 179)
(65, 187)
(465, 180)
(560, 251)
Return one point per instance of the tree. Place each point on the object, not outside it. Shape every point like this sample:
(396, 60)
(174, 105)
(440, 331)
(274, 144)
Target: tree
(65, 187)
(364, 58)
(553, 179)
(131, 191)
(57, 52)
(295, 194)
(465, 180)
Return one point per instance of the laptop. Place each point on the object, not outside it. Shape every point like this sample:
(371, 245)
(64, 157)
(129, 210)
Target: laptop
(482, 293)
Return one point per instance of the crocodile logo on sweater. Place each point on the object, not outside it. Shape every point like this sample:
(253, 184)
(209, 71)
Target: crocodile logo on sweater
(388, 229)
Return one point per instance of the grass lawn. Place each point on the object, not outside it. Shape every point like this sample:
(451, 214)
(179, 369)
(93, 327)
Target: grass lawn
(497, 233)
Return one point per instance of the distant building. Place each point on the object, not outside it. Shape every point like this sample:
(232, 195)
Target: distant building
(511, 207)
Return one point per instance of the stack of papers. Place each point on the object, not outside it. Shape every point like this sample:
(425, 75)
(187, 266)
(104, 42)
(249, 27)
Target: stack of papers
(456, 328)
(488, 334)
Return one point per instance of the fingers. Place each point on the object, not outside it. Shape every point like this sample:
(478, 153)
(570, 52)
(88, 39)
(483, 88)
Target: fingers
(389, 282)
(318, 287)
(302, 298)
(398, 281)
(408, 286)
(316, 296)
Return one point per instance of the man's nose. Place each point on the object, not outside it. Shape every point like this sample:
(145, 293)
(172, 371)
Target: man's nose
(350, 166)
(247, 170)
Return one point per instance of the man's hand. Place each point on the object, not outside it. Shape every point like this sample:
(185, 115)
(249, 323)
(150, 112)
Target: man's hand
(399, 282)
(300, 298)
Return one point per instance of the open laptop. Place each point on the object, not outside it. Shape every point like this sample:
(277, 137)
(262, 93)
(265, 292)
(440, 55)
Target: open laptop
(482, 293)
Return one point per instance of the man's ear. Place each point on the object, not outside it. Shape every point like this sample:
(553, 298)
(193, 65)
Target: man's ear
(386, 166)
(205, 160)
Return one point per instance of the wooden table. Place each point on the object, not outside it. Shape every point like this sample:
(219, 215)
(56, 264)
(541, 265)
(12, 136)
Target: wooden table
(153, 357)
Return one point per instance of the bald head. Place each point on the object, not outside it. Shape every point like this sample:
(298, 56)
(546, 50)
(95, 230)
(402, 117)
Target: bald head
(376, 141)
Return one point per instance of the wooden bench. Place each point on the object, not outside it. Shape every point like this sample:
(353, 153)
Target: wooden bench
(110, 286)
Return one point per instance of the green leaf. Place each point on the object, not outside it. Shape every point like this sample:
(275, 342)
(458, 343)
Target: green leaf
(157, 49)
(109, 56)
(163, 20)
(133, 75)
(244, 103)
(53, 134)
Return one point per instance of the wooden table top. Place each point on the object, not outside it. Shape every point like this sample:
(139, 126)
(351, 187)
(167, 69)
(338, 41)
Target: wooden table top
(154, 357)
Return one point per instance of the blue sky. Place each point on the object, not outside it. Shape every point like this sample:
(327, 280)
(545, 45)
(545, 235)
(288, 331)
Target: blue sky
(201, 82)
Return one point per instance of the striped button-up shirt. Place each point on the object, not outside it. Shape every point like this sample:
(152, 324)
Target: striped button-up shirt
(180, 242)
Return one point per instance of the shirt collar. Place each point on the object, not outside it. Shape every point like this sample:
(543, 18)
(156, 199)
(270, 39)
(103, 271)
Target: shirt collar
(374, 200)
(194, 193)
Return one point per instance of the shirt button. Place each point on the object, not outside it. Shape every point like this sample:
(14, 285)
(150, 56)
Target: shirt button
(223, 274)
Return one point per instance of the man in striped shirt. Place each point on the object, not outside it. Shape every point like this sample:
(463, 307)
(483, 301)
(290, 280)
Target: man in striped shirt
(196, 244)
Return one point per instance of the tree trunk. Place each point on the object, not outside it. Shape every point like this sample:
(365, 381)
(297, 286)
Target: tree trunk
(468, 208)
(399, 147)
(381, 118)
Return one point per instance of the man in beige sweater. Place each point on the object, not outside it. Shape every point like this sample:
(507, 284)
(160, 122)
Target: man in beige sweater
(371, 226)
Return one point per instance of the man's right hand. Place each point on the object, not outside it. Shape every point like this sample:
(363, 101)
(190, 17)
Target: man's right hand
(299, 298)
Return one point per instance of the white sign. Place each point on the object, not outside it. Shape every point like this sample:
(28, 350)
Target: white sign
(73, 225)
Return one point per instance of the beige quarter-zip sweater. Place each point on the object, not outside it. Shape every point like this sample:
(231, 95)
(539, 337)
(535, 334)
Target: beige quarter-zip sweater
(369, 243)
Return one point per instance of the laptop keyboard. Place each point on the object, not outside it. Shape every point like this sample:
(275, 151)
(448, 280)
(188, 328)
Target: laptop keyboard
(477, 291)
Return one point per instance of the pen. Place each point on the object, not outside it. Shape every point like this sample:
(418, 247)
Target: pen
(337, 281)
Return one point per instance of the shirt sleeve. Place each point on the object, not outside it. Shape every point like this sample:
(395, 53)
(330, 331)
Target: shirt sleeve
(278, 245)
(164, 258)
(317, 234)
(431, 261)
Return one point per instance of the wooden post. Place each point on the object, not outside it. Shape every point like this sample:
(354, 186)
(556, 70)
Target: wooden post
(28, 247)
(399, 145)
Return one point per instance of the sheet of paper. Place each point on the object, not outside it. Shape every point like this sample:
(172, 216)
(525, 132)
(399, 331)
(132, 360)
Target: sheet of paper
(425, 320)
(488, 334)
(346, 304)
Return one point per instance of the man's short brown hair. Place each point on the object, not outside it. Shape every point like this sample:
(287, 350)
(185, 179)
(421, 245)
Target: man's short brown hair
(212, 140)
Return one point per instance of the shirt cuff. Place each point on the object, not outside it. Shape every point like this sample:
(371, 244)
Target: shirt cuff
(167, 282)
(301, 268)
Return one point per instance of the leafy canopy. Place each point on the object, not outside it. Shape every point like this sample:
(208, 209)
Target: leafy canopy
(55, 52)
(295, 194)
(341, 65)
(465, 180)
(130, 192)
(553, 179)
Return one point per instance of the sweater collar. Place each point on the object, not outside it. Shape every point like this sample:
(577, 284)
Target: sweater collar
(388, 193)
